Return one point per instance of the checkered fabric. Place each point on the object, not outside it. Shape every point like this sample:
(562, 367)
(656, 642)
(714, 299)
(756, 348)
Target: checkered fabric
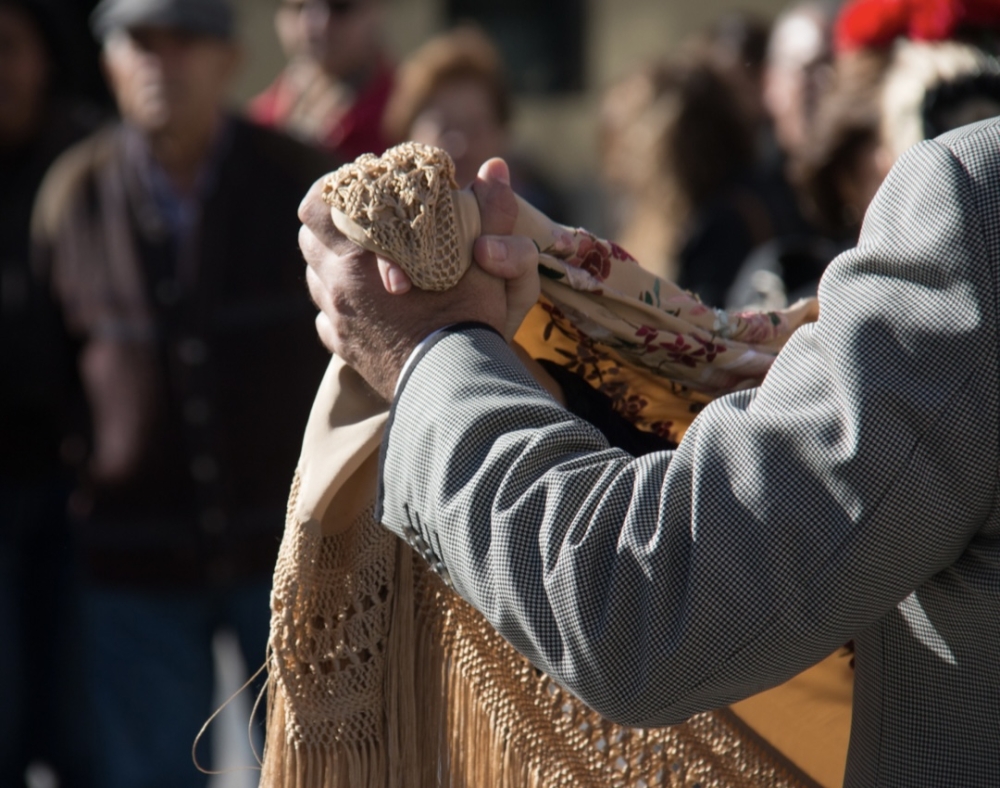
(853, 495)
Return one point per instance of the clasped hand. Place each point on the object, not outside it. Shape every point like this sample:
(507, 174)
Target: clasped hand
(372, 317)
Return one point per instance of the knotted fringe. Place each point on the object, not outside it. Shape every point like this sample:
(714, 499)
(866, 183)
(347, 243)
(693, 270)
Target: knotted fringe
(291, 764)
(457, 706)
(292, 760)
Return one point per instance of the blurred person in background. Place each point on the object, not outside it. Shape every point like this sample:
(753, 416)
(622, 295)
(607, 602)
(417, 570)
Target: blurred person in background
(798, 70)
(678, 149)
(334, 89)
(169, 241)
(42, 712)
(736, 43)
(453, 93)
(888, 92)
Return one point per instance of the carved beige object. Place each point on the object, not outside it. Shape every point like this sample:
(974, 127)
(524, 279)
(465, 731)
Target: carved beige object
(406, 206)
(400, 206)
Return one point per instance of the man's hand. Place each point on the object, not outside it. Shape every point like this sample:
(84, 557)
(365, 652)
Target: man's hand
(373, 318)
(509, 257)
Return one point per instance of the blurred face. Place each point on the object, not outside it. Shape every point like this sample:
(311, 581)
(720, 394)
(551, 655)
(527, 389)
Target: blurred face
(24, 75)
(862, 176)
(461, 119)
(634, 121)
(339, 35)
(799, 69)
(167, 79)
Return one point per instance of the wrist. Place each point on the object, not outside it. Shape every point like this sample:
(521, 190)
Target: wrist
(429, 341)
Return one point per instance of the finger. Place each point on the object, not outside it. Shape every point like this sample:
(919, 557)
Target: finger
(513, 258)
(315, 214)
(522, 295)
(318, 293)
(314, 194)
(324, 329)
(312, 248)
(508, 257)
(394, 278)
(497, 204)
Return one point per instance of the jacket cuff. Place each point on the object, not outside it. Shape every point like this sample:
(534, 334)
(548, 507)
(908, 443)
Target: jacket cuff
(416, 356)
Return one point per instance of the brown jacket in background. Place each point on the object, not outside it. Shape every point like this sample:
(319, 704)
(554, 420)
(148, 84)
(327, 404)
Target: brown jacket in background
(199, 358)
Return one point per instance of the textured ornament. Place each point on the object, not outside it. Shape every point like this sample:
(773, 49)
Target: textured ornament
(399, 205)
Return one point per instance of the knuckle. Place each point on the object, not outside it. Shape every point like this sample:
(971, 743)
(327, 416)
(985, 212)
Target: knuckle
(527, 250)
(314, 197)
(342, 304)
(497, 206)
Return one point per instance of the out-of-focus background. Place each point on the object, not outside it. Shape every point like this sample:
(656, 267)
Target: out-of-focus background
(564, 53)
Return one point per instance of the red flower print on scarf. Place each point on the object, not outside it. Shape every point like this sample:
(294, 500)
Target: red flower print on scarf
(663, 429)
(590, 256)
(620, 254)
(680, 350)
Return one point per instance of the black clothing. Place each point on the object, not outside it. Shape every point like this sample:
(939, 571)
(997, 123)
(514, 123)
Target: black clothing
(591, 405)
(212, 384)
(37, 363)
(43, 712)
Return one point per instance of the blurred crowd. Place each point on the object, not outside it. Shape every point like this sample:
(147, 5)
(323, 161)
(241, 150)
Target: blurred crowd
(158, 343)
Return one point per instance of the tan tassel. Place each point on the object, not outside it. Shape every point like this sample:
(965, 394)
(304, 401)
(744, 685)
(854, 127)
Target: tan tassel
(457, 706)
(401, 718)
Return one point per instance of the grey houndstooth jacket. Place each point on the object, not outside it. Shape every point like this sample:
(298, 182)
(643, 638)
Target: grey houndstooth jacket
(853, 495)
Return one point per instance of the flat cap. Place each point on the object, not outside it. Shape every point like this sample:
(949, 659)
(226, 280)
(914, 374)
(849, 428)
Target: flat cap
(208, 17)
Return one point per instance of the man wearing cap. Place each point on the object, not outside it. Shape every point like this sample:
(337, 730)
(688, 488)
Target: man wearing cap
(169, 241)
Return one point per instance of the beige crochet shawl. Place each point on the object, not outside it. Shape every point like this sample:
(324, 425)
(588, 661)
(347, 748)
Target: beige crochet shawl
(381, 676)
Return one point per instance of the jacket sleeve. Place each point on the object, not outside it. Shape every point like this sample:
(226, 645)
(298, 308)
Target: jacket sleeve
(789, 518)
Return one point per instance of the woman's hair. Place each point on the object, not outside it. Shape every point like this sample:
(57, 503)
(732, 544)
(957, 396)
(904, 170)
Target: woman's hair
(931, 88)
(460, 54)
(673, 135)
(845, 128)
(681, 121)
(737, 43)
(889, 99)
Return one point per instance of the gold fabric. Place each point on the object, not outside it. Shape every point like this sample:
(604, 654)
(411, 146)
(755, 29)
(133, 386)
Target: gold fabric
(808, 718)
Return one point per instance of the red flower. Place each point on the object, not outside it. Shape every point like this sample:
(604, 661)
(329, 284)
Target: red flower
(613, 389)
(647, 334)
(632, 405)
(678, 351)
(712, 349)
(663, 429)
(590, 257)
(620, 254)
(934, 21)
(875, 24)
